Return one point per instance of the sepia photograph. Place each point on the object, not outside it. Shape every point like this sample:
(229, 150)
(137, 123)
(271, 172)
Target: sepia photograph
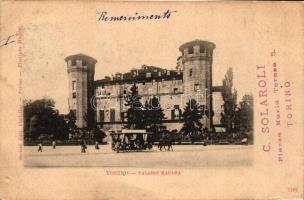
(151, 100)
(143, 117)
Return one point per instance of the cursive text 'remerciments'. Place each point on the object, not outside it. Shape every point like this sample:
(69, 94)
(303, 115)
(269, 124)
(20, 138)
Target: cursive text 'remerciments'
(104, 17)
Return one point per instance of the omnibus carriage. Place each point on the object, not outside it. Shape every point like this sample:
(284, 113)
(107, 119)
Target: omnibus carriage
(131, 140)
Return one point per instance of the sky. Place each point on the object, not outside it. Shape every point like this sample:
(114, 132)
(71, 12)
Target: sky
(52, 33)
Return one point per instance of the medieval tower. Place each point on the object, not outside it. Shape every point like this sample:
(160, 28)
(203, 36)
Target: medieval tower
(197, 75)
(81, 69)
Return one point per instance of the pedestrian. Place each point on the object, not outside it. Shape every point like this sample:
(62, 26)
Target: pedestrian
(169, 141)
(96, 145)
(83, 146)
(54, 144)
(40, 146)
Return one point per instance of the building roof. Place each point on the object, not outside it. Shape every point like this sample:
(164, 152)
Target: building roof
(81, 56)
(145, 73)
(207, 44)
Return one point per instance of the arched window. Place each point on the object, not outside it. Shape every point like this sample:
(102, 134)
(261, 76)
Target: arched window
(190, 51)
(202, 49)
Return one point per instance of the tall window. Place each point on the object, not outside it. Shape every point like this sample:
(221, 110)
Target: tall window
(74, 95)
(112, 115)
(176, 112)
(190, 72)
(202, 49)
(101, 115)
(74, 85)
(122, 116)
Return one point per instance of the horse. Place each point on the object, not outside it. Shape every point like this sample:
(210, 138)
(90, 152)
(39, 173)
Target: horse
(165, 141)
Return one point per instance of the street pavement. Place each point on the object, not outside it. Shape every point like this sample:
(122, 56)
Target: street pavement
(182, 156)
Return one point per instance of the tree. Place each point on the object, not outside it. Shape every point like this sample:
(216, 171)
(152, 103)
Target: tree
(230, 98)
(42, 119)
(71, 121)
(59, 128)
(192, 116)
(153, 115)
(98, 134)
(244, 115)
(135, 114)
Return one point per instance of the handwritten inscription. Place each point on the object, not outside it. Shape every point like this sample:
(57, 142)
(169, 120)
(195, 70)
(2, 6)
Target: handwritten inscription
(8, 40)
(105, 17)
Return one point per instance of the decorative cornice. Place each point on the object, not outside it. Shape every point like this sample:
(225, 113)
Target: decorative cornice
(198, 57)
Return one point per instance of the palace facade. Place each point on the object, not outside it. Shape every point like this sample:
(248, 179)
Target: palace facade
(103, 101)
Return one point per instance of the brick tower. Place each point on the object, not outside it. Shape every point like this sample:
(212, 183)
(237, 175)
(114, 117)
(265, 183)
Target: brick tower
(197, 74)
(81, 69)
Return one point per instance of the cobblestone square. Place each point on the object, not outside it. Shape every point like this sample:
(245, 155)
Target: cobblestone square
(182, 156)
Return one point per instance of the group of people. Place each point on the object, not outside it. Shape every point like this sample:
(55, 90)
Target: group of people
(83, 145)
(40, 145)
(130, 142)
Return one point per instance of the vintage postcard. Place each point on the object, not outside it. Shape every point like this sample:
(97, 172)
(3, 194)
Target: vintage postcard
(151, 100)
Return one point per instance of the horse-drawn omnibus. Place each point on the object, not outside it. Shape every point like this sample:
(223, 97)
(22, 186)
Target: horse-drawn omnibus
(131, 140)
